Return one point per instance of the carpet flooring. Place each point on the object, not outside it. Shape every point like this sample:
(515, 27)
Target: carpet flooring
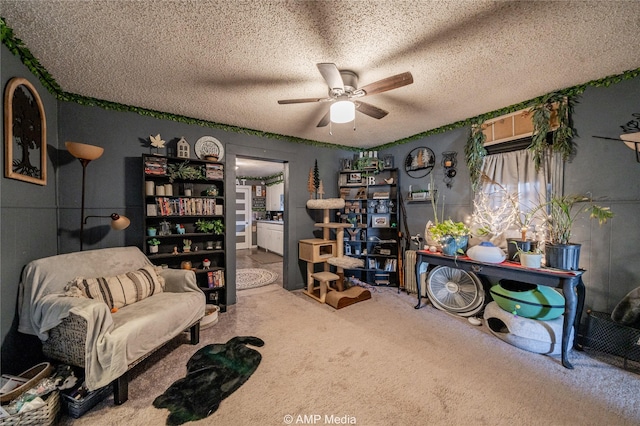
(380, 363)
(254, 277)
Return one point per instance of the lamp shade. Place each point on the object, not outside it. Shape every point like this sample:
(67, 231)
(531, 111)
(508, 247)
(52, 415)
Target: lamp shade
(632, 140)
(343, 112)
(84, 151)
(119, 222)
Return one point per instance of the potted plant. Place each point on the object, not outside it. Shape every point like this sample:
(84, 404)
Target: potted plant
(524, 221)
(203, 225)
(153, 245)
(560, 252)
(527, 258)
(453, 237)
(186, 245)
(151, 231)
(218, 227)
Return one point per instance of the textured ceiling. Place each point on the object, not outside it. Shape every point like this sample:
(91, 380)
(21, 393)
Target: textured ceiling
(231, 61)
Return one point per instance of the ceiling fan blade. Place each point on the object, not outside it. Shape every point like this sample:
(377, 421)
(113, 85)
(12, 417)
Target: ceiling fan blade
(324, 120)
(388, 83)
(370, 110)
(331, 75)
(299, 101)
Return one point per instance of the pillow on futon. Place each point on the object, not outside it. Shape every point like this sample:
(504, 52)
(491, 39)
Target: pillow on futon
(121, 290)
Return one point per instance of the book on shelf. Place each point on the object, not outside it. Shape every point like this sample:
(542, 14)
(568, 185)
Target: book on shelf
(155, 166)
(390, 265)
(215, 171)
(188, 206)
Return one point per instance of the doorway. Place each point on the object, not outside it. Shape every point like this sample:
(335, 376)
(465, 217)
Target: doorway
(257, 216)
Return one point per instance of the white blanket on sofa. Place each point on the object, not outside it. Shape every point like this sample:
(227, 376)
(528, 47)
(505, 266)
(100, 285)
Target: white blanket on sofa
(115, 340)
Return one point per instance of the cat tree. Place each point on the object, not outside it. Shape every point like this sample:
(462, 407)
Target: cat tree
(328, 252)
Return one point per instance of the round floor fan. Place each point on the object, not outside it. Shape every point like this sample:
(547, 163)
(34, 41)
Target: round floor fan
(455, 291)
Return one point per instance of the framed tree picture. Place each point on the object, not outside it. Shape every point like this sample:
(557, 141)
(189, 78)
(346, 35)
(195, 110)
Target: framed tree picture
(25, 133)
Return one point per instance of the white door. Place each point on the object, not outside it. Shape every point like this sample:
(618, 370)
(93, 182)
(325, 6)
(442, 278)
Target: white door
(243, 217)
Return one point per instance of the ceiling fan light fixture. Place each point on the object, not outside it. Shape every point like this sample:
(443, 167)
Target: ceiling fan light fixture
(343, 112)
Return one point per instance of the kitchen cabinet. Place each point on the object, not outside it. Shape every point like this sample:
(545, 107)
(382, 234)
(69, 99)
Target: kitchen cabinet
(275, 197)
(271, 236)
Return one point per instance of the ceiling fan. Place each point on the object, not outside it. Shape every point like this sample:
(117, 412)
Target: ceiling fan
(343, 86)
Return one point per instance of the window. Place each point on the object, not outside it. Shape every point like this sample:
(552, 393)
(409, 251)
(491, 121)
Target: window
(510, 179)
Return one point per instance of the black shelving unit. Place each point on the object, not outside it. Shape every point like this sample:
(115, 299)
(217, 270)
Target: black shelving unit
(371, 205)
(173, 205)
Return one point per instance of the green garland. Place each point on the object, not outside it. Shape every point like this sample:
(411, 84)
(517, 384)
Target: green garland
(17, 47)
(278, 177)
(474, 152)
(571, 92)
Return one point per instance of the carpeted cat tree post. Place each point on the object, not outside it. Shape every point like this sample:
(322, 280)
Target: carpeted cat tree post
(330, 252)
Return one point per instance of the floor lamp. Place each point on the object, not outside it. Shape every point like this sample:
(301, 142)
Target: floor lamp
(87, 153)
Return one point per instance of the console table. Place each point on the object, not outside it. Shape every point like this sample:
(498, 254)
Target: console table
(569, 281)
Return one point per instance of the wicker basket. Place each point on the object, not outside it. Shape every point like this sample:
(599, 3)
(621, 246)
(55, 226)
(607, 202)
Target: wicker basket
(43, 416)
(612, 342)
(34, 374)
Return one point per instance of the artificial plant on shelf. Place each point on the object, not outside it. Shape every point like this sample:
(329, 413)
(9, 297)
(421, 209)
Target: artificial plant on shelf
(183, 170)
(153, 245)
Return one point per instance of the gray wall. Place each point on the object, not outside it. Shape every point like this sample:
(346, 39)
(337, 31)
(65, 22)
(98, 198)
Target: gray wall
(114, 181)
(605, 168)
(41, 221)
(28, 218)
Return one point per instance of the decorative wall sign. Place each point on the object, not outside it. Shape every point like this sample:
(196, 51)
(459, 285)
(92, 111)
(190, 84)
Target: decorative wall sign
(208, 146)
(449, 163)
(25, 133)
(419, 162)
(354, 178)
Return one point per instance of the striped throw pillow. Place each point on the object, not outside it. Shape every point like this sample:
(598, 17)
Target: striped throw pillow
(121, 290)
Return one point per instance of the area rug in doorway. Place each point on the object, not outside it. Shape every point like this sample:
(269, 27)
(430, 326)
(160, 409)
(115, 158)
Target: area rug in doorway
(254, 277)
(266, 257)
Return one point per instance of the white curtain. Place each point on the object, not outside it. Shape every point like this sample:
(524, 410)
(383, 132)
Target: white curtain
(513, 174)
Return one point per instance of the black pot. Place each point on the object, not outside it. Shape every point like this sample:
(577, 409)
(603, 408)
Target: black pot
(512, 250)
(562, 256)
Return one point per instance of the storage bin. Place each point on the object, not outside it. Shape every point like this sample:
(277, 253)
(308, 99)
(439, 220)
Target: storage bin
(612, 342)
(43, 416)
(77, 407)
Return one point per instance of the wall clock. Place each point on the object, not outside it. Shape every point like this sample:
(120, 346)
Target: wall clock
(25, 133)
(419, 162)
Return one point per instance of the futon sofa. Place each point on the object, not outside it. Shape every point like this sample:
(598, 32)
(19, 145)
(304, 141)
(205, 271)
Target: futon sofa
(106, 310)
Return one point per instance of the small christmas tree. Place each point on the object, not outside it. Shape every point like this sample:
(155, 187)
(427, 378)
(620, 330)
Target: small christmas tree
(320, 190)
(310, 184)
(316, 176)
